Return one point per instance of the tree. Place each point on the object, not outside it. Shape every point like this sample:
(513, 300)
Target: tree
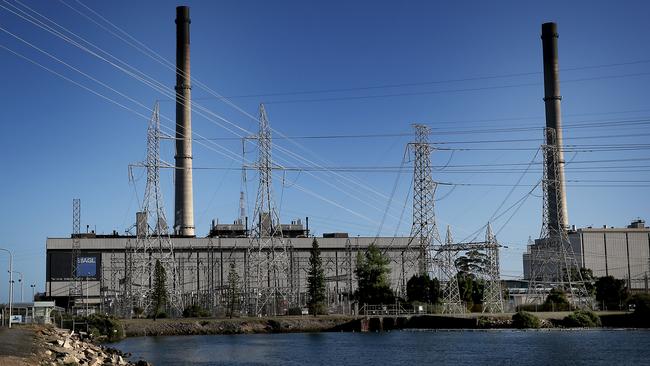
(423, 289)
(474, 261)
(233, 290)
(610, 292)
(159, 296)
(556, 300)
(195, 311)
(470, 288)
(641, 304)
(316, 301)
(372, 276)
(587, 278)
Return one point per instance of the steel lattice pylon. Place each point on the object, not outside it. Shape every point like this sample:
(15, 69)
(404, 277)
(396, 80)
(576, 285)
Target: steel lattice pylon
(553, 262)
(416, 257)
(152, 241)
(76, 286)
(270, 287)
(446, 256)
(492, 296)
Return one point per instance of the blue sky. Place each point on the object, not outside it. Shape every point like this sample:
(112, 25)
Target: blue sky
(470, 70)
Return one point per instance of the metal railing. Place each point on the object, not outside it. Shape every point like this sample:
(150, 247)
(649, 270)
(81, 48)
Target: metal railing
(386, 310)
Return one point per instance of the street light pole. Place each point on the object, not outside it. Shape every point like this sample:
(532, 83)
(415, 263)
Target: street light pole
(21, 284)
(33, 286)
(11, 280)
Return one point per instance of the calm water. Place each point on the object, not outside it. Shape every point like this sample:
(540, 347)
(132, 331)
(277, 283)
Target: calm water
(498, 347)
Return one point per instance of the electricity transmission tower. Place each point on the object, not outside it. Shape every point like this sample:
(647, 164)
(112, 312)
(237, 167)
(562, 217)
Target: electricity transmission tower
(424, 233)
(76, 287)
(446, 256)
(419, 256)
(152, 234)
(492, 296)
(553, 263)
(270, 285)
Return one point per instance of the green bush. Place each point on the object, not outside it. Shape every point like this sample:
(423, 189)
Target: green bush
(582, 319)
(295, 311)
(641, 304)
(556, 301)
(194, 311)
(105, 327)
(524, 320)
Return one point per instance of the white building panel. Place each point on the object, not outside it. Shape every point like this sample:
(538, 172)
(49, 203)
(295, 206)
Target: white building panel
(617, 259)
(593, 245)
(639, 245)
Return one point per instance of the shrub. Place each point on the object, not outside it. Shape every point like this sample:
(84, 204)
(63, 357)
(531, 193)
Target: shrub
(138, 311)
(556, 301)
(641, 304)
(583, 319)
(105, 327)
(295, 311)
(194, 311)
(523, 320)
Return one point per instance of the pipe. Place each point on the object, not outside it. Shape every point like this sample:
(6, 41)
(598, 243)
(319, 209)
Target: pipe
(557, 206)
(184, 205)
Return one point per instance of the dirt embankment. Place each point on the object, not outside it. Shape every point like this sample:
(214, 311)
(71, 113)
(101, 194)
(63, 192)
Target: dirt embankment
(197, 326)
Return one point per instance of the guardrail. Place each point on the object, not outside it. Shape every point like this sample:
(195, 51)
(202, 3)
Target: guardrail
(384, 310)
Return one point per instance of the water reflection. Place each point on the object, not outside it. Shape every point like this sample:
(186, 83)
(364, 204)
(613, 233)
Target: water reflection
(594, 347)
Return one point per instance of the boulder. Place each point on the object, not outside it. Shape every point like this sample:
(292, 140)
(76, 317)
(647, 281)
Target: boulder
(70, 359)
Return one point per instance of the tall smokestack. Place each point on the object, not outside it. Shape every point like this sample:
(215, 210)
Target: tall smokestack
(184, 204)
(552, 98)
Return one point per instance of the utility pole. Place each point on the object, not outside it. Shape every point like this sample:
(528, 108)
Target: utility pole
(11, 281)
(20, 280)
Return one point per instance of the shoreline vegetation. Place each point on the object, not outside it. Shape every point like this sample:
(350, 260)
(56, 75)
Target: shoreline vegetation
(338, 323)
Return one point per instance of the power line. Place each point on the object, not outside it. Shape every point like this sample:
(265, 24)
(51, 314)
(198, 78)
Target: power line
(421, 83)
(447, 91)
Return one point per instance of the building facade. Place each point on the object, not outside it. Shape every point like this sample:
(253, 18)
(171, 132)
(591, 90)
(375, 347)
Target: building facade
(623, 253)
(203, 265)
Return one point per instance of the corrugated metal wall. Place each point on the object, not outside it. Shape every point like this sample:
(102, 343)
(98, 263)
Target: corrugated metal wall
(593, 245)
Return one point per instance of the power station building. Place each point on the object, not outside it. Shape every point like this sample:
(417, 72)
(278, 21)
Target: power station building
(203, 265)
(623, 253)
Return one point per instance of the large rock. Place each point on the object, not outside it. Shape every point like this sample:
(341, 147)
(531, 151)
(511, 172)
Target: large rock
(70, 359)
(97, 361)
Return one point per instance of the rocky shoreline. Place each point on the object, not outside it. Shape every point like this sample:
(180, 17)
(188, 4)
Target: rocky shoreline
(56, 346)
